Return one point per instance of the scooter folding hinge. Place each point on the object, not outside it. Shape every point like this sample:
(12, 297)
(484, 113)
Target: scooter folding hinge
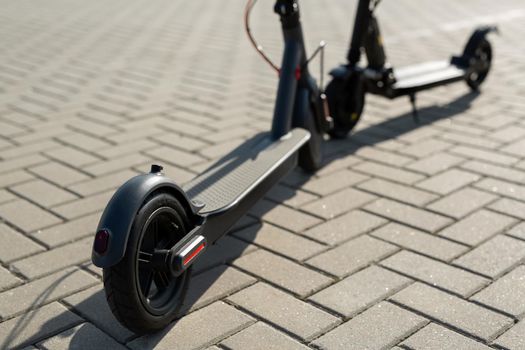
(415, 115)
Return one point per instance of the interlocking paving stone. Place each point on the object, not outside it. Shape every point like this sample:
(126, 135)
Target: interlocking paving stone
(425, 148)
(360, 291)
(92, 305)
(380, 327)
(389, 173)
(14, 177)
(283, 216)
(54, 260)
(476, 141)
(276, 307)
(267, 338)
(435, 163)
(102, 183)
(451, 310)
(20, 162)
(291, 276)
(503, 188)
(383, 156)
(84, 206)
(462, 202)
(280, 241)
(338, 203)
(496, 171)
(517, 231)
(506, 294)
(115, 165)
(435, 273)
(174, 156)
(44, 290)
(398, 192)
(8, 280)
(84, 336)
(333, 182)
(352, 256)
(509, 207)
(491, 157)
(59, 173)
(199, 329)
(43, 193)
(419, 241)
(215, 284)
(448, 181)
(36, 325)
(513, 338)
(337, 163)
(18, 212)
(415, 217)
(436, 337)
(345, 227)
(289, 196)
(71, 156)
(19, 245)
(477, 227)
(6, 196)
(494, 257)
(69, 231)
(515, 148)
(225, 250)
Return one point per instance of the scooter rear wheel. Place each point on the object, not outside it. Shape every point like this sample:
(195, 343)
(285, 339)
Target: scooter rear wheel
(143, 296)
(482, 61)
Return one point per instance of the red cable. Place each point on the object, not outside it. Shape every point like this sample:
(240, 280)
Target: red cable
(249, 5)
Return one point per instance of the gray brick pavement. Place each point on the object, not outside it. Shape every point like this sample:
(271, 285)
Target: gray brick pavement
(411, 235)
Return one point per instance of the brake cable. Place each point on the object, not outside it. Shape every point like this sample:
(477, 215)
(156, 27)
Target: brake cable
(249, 6)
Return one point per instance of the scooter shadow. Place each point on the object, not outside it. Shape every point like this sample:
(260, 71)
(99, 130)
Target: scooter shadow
(214, 265)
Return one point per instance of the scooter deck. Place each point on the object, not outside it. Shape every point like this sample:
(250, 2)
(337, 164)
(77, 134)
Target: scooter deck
(426, 75)
(234, 176)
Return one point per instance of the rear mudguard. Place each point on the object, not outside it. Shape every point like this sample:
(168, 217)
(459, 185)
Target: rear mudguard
(472, 43)
(123, 207)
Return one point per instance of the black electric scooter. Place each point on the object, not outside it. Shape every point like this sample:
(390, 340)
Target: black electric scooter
(346, 91)
(153, 230)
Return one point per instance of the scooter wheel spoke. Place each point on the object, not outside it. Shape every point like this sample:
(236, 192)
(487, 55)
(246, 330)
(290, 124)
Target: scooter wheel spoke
(145, 280)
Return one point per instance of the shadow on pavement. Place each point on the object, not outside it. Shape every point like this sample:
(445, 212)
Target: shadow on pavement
(212, 265)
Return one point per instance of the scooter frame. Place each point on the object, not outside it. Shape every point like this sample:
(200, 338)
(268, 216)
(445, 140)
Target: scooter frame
(298, 114)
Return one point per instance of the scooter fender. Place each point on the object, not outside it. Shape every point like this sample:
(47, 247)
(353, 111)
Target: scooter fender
(122, 209)
(472, 43)
(340, 72)
(478, 35)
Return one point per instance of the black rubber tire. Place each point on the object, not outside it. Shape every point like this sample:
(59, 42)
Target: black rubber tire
(483, 52)
(121, 281)
(311, 154)
(346, 101)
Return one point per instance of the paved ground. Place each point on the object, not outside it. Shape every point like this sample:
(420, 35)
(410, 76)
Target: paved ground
(411, 235)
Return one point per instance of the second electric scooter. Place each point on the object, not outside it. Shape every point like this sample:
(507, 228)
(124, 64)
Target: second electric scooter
(153, 230)
(351, 81)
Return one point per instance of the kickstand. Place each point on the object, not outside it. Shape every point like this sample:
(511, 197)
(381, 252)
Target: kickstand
(415, 115)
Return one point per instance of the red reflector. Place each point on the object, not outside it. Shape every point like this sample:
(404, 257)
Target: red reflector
(101, 242)
(193, 254)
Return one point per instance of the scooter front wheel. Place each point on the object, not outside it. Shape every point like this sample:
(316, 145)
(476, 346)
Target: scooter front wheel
(142, 295)
(346, 100)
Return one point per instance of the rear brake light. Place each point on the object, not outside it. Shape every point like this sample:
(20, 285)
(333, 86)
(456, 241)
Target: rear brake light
(101, 241)
(193, 254)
